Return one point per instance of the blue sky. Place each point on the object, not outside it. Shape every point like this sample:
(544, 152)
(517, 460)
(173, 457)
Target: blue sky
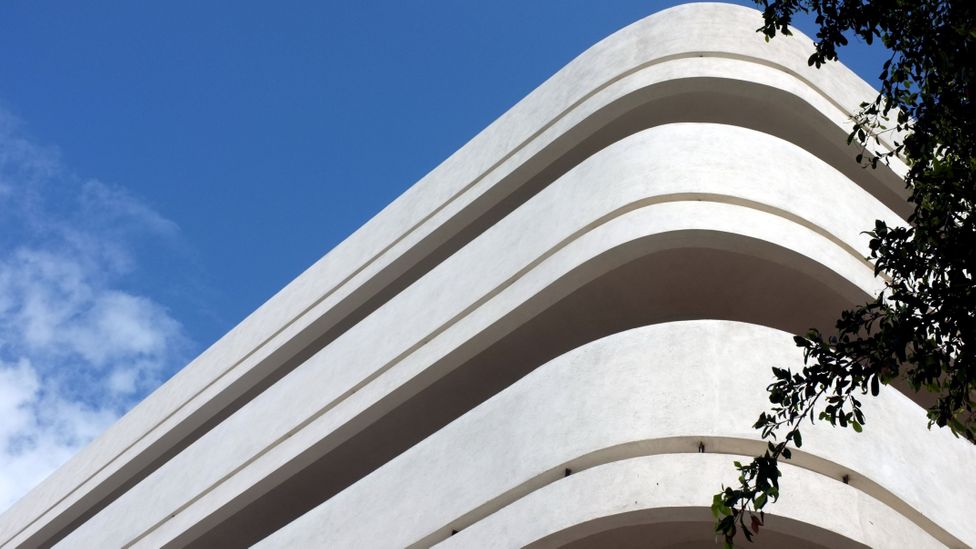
(166, 167)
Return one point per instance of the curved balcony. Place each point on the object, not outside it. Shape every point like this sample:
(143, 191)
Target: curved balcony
(657, 391)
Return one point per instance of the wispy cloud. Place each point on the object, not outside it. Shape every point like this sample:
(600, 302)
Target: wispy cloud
(78, 346)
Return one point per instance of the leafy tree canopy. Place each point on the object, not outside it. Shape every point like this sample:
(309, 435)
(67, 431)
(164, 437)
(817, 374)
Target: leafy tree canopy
(922, 328)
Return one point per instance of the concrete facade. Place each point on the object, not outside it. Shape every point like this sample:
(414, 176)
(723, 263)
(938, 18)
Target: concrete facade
(596, 284)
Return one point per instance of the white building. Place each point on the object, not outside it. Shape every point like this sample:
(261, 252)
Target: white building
(529, 346)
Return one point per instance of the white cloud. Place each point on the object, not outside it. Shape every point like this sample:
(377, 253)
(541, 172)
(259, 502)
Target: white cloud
(77, 349)
(41, 429)
(18, 388)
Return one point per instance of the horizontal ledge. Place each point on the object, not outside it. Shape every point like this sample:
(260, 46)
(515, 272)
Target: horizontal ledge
(676, 488)
(681, 448)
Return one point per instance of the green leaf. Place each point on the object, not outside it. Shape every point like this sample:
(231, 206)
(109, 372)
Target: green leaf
(760, 501)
